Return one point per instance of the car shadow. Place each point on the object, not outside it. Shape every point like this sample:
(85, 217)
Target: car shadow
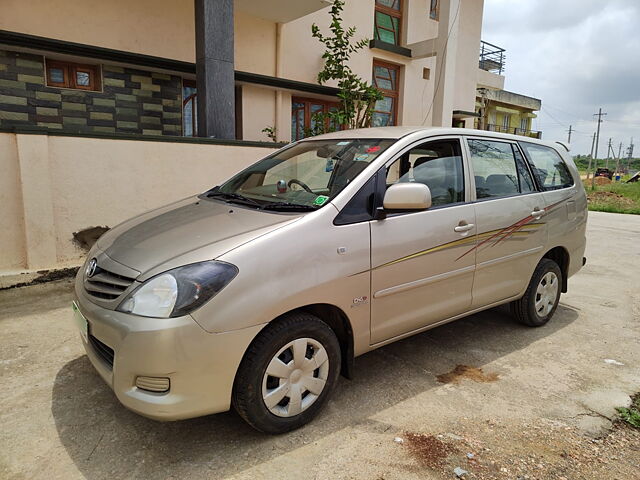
(106, 440)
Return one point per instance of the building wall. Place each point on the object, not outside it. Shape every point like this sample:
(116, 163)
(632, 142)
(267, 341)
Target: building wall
(165, 28)
(131, 100)
(12, 253)
(470, 17)
(301, 54)
(162, 28)
(52, 186)
(489, 80)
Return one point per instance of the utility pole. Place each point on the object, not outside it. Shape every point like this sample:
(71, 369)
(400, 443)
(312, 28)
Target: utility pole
(599, 115)
(630, 153)
(570, 130)
(595, 164)
(620, 150)
(593, 142)
(617, 160)
(609, 150)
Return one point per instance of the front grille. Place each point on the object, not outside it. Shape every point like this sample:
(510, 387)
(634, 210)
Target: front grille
(103, 351)
(106, 285)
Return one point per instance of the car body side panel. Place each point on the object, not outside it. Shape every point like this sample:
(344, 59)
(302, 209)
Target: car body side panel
(568, 223)
(510, 243)
(420, 272)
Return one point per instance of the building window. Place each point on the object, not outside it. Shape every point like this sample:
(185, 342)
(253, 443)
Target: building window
(388, 20)
(524, 124)
(189, 108)
(73, 75)
(304, 113)
(385, 78)
(434, 12)
(506, 121)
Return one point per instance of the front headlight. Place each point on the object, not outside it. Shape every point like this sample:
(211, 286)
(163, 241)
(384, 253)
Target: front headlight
(179, 291)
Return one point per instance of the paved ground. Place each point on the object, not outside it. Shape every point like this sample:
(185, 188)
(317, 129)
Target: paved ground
(532, 403)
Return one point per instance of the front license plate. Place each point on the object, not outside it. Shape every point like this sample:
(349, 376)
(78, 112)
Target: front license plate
(80, 321)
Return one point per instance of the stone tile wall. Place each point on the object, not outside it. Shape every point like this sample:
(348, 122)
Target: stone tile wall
(131, 100)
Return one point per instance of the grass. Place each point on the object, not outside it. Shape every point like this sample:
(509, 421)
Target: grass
(614, 197)
(631, 415)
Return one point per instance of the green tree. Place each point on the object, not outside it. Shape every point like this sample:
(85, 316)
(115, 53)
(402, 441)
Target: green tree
(357, 97)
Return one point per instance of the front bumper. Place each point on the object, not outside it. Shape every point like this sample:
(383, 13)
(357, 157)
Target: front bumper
(201, 366)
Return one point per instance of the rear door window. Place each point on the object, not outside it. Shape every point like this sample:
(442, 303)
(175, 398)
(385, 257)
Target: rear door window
(548, 167)
(499, 169)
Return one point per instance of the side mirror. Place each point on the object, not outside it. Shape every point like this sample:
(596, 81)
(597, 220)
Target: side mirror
(407, 196)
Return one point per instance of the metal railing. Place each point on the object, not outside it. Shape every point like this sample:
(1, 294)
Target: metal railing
(492, 58)
(514, 131)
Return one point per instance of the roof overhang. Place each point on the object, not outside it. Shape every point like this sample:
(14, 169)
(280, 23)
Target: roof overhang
(460, 114)
(280, 11)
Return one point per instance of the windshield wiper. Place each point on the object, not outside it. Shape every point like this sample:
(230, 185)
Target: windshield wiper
(236, 197)
(288, 206)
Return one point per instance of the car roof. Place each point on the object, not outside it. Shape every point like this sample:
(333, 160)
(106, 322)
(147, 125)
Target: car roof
(399, 132)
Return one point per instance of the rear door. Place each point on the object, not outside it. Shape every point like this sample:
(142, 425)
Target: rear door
(420, 274)
(510, 217)
(559, 191)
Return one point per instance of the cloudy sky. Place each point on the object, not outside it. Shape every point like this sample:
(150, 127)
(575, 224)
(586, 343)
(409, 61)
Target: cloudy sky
(576, 56)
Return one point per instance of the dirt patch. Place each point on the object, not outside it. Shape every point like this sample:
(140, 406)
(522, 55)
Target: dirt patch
(87, 237)
(429, 450)
(602, 181)
(466, 372)
(547, 450)
(46, 276)
(610, 197)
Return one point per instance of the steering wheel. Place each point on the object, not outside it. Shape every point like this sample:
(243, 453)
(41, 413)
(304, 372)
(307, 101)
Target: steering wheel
(301, 183)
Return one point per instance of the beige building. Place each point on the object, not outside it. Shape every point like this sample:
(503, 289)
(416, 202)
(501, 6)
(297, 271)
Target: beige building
(130, 67)
(500, 110)
(93, 89)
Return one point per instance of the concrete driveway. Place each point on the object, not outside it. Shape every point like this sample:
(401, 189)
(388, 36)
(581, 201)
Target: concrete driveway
(523, 403)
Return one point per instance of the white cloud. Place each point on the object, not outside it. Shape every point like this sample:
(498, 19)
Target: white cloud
(576, 56)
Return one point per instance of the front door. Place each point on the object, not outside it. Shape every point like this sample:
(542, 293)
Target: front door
(510, 219)
(423, 262)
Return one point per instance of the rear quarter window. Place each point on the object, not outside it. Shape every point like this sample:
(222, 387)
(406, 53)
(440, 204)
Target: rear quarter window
(548, 166)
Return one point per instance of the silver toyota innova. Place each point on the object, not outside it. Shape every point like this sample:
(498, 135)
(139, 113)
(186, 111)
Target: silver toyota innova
(259, 292)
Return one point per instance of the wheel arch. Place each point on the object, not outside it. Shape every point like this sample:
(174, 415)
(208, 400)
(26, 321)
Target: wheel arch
(341, 326)
(561, 256)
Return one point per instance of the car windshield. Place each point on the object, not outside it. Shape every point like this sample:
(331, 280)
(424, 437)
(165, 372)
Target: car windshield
(303, 177)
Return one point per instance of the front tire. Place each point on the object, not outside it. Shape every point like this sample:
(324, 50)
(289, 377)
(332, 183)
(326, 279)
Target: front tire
(287, 374)
(540, 300)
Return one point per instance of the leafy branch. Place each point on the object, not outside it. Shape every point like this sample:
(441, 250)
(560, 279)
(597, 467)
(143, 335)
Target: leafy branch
(357, 97)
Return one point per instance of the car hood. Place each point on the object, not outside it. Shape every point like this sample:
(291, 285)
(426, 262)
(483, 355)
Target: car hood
(184, 232)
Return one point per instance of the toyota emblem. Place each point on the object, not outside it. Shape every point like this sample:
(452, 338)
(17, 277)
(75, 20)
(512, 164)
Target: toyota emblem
(91, 268)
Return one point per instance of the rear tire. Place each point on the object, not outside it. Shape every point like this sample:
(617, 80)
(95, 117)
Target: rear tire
(287, 374)
(540, 300)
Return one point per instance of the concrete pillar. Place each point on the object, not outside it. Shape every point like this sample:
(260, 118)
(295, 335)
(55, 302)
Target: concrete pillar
(447, 49)
(37, 201)
(214, 68)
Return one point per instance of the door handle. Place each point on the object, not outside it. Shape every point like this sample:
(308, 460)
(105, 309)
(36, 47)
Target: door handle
(464, 228)
(538, 213)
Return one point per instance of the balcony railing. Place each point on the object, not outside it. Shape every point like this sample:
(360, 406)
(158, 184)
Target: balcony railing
(492, 58)
(514, 131)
